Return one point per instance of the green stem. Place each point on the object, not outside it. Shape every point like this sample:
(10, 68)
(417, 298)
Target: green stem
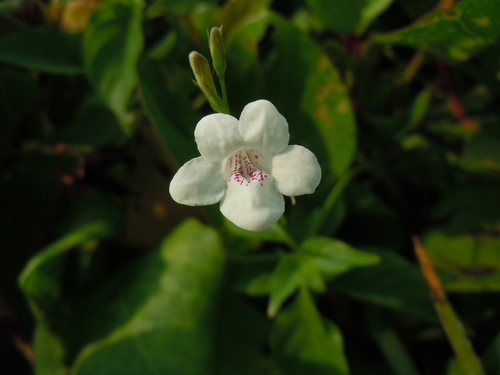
(452, 325)
(454, 329)
(339, 187)
(393, 349)
(222, 81)
(331, 199)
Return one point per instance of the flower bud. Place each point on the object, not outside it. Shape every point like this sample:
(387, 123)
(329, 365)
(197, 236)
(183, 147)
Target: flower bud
(204, 80)
(216, 44)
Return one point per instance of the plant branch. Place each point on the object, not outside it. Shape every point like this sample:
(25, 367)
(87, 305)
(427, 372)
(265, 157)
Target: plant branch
(452, 325)
(419, 56)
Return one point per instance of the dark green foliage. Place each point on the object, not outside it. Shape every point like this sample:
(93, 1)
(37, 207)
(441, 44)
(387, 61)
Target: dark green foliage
(101, 273)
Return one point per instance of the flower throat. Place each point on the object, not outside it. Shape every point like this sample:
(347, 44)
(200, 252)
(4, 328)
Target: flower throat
(244, 167)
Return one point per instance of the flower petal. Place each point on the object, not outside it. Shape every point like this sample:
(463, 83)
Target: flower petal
(296, 171)
(198, 183)
(217, 136)
(263, 127)
(252, 205)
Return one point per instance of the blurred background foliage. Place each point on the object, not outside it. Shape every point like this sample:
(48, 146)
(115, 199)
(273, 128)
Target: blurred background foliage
(102, 273)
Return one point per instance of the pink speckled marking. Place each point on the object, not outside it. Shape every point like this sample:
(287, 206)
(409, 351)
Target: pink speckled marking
(244, 168)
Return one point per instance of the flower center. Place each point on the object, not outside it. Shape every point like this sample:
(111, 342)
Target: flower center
(244, 167)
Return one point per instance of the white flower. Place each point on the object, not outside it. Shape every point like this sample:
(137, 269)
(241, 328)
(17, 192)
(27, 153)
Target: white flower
(247, 165)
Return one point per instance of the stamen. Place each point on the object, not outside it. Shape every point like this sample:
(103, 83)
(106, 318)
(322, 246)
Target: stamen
(244, 167)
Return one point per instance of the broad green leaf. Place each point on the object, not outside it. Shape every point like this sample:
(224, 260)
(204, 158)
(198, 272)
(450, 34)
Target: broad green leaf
(305, 343)
(306, 21)
(157, 315)
(417, 8)
(94, 218)
(311, 86)
(334, 257)
(252, 273)
(393, 283)
(235, 14)
(41, 278)
(346, 16)
(469, 262)
(112, 44)
(473, 207)
(95, 125)
(316, 259)
(92, 208)
(482, 152)
(163, 47)
(167, 113)
(8, 5)
(455, 34)
(49, 352)
(179, 8)
(242, 333)
(292, 272)
(370, 11)
(341, 15)
(45, 50)
(454, 368)
(309, 92)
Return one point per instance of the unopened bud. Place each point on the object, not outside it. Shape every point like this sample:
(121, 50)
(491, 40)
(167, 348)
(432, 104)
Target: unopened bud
(205, 81)
(216, 44)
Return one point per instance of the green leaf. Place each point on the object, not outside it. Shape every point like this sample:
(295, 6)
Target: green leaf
(468, 262)
(309, 92)
(341, 16)
(419, 107)
(49, 352)
(45, 50)
(316, 259)
(157, 316)
(292, 271)
(8, 5)
(417, 8)
(304, 343)
(41, 278)
(334, 257)
(393, 283)
(455, 34)
(163, 107)
(473, 207)
(112, 44)
(95, 125)
(242, 333)
(235, 14)
(252, 273)
(163, 47)
(454, 368)
(370, 11)
(311, 86)
(482, 152)
(346, 16)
